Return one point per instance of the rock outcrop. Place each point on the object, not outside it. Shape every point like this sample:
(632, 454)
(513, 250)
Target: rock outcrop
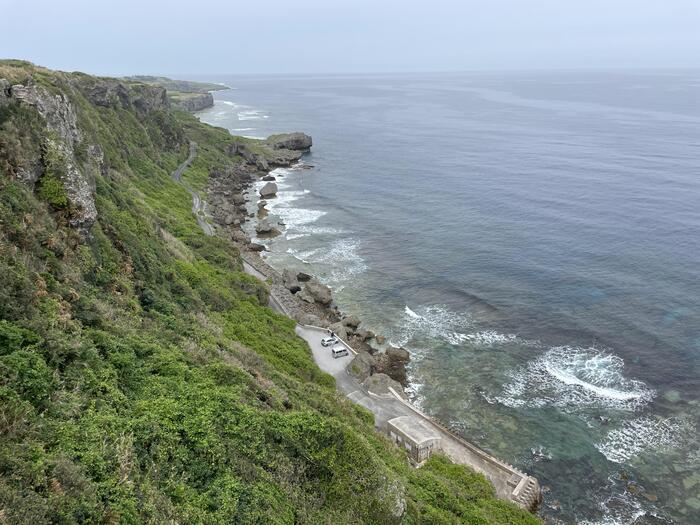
(320, 292)
(191, 101)
(362, 366)
(113, 93)
(59, 147)
(265, 229)
(290, 281)
(269, 190)
(293, 141)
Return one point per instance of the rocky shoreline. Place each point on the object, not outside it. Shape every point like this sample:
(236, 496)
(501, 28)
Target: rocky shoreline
(301, 295)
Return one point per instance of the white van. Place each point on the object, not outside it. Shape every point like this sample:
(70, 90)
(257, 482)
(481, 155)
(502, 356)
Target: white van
(339, 351)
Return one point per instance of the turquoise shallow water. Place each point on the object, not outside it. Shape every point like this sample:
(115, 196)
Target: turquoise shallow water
(534, 241)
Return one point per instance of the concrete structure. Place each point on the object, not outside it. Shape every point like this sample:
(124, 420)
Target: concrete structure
(418, 439)
(510, 483)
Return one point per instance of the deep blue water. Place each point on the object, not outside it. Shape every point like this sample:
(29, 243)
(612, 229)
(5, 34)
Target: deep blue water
(534, 240)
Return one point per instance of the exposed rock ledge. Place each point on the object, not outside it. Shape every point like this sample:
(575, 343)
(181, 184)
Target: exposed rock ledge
(191, 101)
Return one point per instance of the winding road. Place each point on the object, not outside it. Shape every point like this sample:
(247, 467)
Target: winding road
(199, 205)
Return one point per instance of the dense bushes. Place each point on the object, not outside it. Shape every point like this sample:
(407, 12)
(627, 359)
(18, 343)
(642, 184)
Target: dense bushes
(142, 380)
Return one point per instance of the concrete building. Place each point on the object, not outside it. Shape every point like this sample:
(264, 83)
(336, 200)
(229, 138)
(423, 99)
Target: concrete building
(415, 436)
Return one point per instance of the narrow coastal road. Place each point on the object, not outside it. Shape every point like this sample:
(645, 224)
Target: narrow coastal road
(505, 478)
(199, 206)
(510, 484)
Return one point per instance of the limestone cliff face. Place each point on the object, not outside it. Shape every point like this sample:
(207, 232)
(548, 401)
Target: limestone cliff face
(62, 138)
(112, 93)
(66, 153)
(193, 101)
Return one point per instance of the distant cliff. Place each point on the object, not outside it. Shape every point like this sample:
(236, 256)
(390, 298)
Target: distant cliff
(183, 94)
(191, 101)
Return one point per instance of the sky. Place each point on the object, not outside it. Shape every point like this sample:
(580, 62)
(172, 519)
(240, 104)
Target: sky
(118, 37)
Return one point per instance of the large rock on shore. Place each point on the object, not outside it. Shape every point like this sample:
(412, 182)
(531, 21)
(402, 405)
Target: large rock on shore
(393, 363)
(266, 229)
(320, 292)
(268, 190)
(362, 366)
(289, 279)
(351, 321)
(295, 141)
(339, 330)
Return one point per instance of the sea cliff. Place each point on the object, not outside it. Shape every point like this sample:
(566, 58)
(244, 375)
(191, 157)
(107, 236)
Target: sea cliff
(142, 376)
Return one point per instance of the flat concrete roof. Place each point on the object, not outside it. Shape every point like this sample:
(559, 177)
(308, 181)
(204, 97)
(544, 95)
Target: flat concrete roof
(414, 428)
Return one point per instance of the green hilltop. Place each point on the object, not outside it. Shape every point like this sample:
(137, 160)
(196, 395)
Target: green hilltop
(142, 377)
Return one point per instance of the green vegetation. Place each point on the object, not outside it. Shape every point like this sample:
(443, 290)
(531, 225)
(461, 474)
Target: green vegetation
(181, 86)
(141, 378)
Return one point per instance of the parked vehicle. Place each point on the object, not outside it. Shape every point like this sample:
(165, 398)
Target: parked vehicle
(339, 351)
(328, 341)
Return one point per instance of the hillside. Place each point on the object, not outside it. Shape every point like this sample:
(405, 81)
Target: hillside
(142, 379)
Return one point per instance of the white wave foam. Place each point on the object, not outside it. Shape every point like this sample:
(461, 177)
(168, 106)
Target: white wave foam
(251, 114)
(317, 230)
(570, 377)
(641, 434)
(292, 236)
(342, 256)
(619, 509)
(436, 321)
(490, 338)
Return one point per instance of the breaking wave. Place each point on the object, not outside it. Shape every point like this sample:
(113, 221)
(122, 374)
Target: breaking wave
(341, 257)
(435, 321)
(639, 435)
(490, 338)
(571, 377)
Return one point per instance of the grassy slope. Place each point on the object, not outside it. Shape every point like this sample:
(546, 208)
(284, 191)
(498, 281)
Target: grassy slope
(141, 380)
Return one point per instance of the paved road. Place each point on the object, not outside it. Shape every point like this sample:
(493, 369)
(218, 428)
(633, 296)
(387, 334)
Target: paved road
(388, 407)
(199, 205)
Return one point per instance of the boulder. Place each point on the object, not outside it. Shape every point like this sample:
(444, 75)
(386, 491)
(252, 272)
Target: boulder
(238, 199)
(351, 321)
(363, 335)
(289, 279)
(304, 277)
(398, 354)
(380, 339)
(265, 228)
(361, 367)
(339, 330)
(268, 178)
(320, 292)
(253, 246)
(240, 236)
(393, 363)
(262, 203)
(268, 190)
(305, 296)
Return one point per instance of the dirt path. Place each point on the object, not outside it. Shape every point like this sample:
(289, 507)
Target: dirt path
(199, 205)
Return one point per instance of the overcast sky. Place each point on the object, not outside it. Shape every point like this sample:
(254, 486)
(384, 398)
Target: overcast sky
(320, 36)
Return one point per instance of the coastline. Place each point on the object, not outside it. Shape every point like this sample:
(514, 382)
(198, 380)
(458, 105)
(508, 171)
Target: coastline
(374, 375)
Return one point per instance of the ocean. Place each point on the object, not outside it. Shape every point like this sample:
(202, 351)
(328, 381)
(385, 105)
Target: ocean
(533, 239)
